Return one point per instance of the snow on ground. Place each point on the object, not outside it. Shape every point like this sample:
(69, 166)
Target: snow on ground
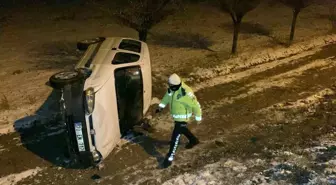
(227, 73)
(50, 48)
(310, 101)
(315, 165)
(284, 79)
(295, 166)
(252, 60)
(247, 60)
(298, 169)
(281, 80)
(226, 78)
(218, 76)
(13, 179)
(2, 149)
(308, 106)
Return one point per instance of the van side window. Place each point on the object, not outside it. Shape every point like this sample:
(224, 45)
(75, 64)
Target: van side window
(124, 58)
(130, 45)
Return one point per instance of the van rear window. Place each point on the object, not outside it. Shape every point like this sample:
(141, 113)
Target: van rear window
(124, 58)
(130, 45)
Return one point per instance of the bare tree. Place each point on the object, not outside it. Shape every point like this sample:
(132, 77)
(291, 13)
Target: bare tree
(297, 6)
(332, 10)
(331, 4)
(237, 10)
(142, 15)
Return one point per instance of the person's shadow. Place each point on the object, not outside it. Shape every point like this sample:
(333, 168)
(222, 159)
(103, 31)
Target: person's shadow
(43, 133)
(151, 145)
(148, 143)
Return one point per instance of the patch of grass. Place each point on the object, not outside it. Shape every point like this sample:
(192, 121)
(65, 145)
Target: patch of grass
(4, 103)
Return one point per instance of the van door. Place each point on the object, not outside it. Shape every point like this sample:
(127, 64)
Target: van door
(129, 92)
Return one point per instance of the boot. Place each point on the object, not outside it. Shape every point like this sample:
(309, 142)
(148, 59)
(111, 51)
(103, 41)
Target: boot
(166, 163)
(191, 144)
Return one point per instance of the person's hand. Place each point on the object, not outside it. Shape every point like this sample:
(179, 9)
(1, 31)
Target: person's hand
(158, 110)
(198, 120)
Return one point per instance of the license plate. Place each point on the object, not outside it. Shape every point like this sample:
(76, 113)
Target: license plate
(79, 136)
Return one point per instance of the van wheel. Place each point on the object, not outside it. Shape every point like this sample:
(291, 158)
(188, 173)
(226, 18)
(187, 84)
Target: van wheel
(61, 79)
(84, 44)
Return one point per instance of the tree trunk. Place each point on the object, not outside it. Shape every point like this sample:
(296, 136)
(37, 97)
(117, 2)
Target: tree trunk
(295, 14)
(236, 28)
(333, 17)
(143, 35)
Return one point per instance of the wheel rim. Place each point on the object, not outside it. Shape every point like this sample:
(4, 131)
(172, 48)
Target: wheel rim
(66, 75)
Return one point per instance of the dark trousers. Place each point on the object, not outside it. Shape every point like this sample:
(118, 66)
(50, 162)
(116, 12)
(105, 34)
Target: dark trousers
(180, 128)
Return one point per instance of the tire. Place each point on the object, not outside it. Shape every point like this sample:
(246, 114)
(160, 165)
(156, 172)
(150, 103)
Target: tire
(84, 44)
(63, 78)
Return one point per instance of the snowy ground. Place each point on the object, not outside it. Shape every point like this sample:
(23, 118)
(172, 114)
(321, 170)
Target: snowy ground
(269, 112)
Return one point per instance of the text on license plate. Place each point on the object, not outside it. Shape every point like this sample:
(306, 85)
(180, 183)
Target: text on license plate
(79, 136)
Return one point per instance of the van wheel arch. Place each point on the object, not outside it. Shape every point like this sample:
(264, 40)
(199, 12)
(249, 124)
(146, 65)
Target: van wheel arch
(63, 78)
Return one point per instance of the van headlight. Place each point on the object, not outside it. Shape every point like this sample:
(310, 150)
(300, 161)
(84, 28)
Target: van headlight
(95, 156)
(89, 100)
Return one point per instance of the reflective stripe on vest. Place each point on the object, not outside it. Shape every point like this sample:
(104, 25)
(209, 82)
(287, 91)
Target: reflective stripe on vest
(191, 94)
(182, 116)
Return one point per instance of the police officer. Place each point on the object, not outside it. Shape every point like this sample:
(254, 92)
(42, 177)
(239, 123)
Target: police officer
(183, 104)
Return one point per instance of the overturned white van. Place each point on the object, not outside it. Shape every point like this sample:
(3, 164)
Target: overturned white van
(104, 96)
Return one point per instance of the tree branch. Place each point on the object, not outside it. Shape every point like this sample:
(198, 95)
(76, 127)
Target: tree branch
(239, 17)
(233, 17)
(165, 2)
(126, 21)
